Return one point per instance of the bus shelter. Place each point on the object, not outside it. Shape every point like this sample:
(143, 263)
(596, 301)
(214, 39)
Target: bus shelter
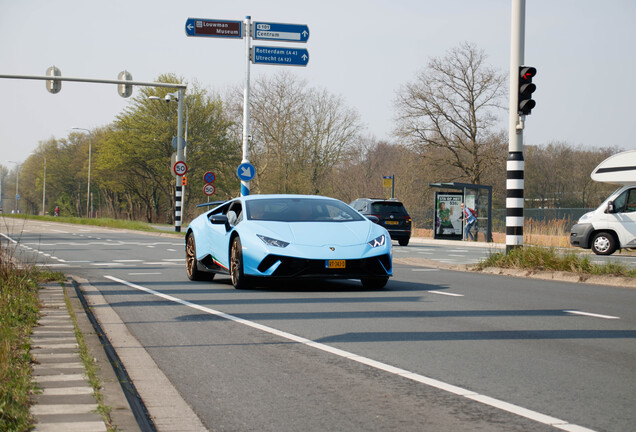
(449, 220)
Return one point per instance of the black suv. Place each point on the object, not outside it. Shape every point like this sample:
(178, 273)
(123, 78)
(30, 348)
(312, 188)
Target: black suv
(391, 214)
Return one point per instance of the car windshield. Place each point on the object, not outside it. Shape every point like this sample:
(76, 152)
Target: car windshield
(388, 207)
(300, 210)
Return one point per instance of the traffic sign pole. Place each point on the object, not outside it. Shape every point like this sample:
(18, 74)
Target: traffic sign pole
(264, 55)
(178, 187)
(245, 185)
(515, 163)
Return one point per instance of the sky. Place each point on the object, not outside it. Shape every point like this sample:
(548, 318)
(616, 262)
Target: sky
(361, 50)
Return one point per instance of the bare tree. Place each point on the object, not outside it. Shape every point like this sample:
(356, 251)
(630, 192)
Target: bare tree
(299, 133)
(448, 113)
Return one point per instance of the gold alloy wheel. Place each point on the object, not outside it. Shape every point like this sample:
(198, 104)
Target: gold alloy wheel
(190, 256)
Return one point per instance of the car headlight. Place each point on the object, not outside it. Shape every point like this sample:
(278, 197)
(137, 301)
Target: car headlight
(273, 242)
(377, 242)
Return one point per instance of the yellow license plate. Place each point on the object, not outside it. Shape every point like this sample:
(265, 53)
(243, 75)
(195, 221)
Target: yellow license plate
(336, 264)
(391, 223)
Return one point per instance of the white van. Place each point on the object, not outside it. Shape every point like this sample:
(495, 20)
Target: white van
(613, 224)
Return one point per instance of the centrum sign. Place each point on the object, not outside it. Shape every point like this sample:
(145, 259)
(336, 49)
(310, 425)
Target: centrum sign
(280, 32)
(280, 56)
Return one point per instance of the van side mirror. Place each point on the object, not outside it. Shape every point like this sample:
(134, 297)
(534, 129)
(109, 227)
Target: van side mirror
(610, 207)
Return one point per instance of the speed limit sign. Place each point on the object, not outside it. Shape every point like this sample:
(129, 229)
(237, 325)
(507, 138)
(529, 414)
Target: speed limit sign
(180, 168)
(208, 189)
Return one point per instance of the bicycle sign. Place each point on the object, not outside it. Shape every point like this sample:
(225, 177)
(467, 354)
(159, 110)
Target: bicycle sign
(180, 168)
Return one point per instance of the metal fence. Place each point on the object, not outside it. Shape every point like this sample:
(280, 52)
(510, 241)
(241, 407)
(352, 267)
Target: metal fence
(424, 218)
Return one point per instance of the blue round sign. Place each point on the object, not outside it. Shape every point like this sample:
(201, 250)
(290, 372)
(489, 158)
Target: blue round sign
(246, 171)
(209, 177)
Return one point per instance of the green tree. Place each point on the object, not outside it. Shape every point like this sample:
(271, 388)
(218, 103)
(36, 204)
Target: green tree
(135, 161)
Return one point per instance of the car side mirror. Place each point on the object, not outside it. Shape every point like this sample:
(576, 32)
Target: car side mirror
(220, 219)
(374, 219)
(610, 207)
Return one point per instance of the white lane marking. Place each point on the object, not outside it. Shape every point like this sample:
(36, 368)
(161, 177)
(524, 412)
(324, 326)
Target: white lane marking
(589, 314)
(460, 256)
(128, 260)
(447, 294)
(8, 238)
(486, 400)
(174, 259)
(171, 250)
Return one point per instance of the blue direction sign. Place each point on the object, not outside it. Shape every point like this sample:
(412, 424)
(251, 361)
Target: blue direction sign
(214, 28)
(280, 56)
(246, 171)
(280, 32)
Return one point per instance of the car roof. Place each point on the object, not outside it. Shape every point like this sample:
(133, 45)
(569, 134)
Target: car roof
(288, 196)
(393, 200)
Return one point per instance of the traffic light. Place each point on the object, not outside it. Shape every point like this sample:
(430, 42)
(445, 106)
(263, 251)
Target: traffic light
(53, 86)
(526, 88)
(124, 90)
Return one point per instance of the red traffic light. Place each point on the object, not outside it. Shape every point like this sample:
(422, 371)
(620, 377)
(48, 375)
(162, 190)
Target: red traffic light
(526, 88)
(526, 73)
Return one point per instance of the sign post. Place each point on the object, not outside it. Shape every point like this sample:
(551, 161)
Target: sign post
(281, 56)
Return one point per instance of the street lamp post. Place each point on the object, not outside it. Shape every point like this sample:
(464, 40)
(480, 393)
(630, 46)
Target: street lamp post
(43, 185)
(88, 193)
(17, 184)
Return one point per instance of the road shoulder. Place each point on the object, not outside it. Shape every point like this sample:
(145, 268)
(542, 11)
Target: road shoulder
(166, 407)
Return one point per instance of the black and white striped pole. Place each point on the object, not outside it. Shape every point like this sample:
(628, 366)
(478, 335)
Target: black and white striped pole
(179, 188)
(515, 163)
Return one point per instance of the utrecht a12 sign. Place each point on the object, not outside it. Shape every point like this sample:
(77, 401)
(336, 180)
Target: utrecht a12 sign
(280, 56)
(214, 28)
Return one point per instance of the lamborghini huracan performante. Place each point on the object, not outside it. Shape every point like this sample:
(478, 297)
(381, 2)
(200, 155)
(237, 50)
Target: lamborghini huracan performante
(265, 237)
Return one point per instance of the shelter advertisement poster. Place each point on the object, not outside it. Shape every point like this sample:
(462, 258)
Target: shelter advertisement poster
(448, 215)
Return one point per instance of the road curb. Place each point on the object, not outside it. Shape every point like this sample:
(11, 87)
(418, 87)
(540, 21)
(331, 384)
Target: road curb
(166, 407)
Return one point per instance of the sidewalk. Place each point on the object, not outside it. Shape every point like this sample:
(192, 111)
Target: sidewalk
(66, 402)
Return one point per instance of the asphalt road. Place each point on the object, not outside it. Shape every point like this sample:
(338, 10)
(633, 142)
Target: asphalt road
(435, 350)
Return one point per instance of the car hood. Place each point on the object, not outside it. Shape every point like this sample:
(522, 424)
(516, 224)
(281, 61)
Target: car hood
(318, 233)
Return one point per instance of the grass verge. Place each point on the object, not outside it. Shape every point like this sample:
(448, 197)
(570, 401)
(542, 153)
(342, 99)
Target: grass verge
(19, 311)
(547, 259)
(103, 222)
(90, 367)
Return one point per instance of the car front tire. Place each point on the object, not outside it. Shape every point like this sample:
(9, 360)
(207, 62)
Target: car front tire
(192, 264)
(239, 280)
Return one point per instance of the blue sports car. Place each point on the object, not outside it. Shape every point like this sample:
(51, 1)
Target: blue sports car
(260, 237)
